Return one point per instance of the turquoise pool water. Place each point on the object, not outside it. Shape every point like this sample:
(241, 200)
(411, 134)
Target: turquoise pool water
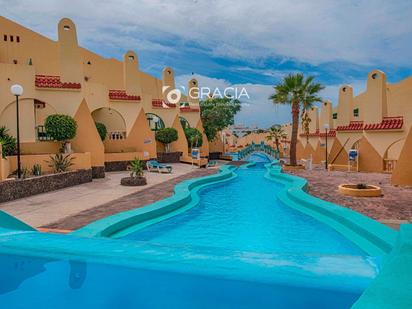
(28, 282)
(239, 248)
(244, 214)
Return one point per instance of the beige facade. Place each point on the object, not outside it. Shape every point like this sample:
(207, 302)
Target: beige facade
(376, 123)
(62, 77)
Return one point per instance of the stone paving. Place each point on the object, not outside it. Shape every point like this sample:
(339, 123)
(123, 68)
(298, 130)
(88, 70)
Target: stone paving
(393, 208)
(128, 202)
(43, 209)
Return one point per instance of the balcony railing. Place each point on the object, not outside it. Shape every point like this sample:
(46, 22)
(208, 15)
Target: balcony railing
(389, 165)
(42, 134)
(116, 135)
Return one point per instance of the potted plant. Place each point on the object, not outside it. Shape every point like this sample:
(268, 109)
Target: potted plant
(166, 136)
(136, 174)
(61, 128)
(194, 137)
(60, 163)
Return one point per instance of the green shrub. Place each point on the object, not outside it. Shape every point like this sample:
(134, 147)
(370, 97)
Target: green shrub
(136, 168)
(194, 137)
(60, 163)
(166, 136)
(61, 128)
(101, 128)
(36, 170)
(8, 142)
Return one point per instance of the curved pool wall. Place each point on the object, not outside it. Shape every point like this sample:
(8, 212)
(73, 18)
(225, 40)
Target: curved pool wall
(371, 236)
(185, 197)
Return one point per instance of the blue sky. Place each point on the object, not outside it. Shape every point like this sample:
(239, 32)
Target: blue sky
(250, 44)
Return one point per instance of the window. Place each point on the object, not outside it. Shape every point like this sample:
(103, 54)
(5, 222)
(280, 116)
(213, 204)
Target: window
(155, 122)
(131, 58)
(5, 38)
(374, 75)
(185, 124)
(66, 27)
(356, 112)
(17, 39)
(11, 38)
(335, 115)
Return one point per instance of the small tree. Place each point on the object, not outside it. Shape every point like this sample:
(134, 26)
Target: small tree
(136, 168)
(275, 134)
(8, 142)
(61, 128)
(194, 137)
(166, 136)
(102, 130)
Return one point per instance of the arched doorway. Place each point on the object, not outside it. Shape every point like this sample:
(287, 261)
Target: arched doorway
(185, 124)
(155, 122)
(113, 120)
(33, 113)
(392, 154)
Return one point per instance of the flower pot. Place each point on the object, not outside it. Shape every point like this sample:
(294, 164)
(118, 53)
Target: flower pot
(68, 147)
(353, 190)
(133, 181)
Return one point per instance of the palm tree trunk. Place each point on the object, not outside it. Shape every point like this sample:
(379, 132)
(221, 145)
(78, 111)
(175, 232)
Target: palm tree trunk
(277, 144)
(294, 137)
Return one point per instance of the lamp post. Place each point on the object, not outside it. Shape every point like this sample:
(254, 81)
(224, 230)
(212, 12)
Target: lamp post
(17, 91)
(326, 126)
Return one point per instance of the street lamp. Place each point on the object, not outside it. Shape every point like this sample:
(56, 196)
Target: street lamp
(326, 126)
(17, 91)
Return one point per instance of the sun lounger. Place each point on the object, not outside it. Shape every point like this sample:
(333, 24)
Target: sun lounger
(154, 166)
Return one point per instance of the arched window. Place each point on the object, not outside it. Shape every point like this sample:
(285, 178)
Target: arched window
(185, 124)
(155, 122)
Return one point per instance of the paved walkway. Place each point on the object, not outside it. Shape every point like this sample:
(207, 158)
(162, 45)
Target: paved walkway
(393, 208)
(44, 209)
(128, 202)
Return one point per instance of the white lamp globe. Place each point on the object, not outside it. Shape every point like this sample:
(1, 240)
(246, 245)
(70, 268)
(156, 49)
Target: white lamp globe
(326, 126)
(16, 90)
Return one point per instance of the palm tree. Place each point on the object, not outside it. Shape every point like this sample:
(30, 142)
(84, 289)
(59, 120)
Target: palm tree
(275, 134)
(299, 92)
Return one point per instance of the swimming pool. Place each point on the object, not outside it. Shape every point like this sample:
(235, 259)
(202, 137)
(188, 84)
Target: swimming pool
(239, 247)
(244, 214)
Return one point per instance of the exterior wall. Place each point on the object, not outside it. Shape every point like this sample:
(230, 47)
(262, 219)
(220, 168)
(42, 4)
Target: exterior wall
(34, 55)
(378, 149)
(80, 161)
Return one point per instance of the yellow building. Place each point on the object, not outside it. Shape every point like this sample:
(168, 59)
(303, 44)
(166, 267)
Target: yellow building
(377, 123)
(62, 77)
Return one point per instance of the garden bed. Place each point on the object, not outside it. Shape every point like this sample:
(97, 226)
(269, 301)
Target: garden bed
(12, 189)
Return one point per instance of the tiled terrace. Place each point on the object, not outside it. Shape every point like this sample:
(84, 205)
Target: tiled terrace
(393, 208)
(127, 202)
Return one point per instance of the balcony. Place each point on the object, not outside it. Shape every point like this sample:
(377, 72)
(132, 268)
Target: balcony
(388, 123)
(159, 103)
(54, 82)
(353, 126)
(121, 95)
(116, 135)
(331, 133)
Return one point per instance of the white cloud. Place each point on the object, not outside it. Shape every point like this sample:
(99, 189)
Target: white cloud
(257, 110)
(314, 31)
